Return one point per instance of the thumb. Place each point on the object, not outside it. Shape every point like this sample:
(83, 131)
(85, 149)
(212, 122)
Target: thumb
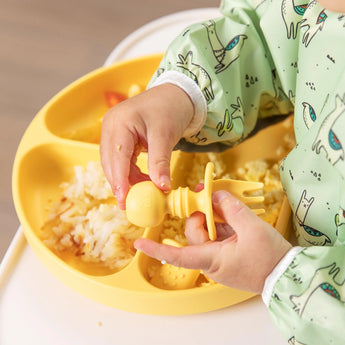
(193, 257)
(233, 211)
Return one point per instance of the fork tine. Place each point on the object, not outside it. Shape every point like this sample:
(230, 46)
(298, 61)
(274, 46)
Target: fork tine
(258, 211)
(249, 200)
(251, 186)
(239, 188)
(236, 187)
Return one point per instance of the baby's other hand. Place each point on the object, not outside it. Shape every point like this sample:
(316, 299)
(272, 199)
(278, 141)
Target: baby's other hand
(246, 251)
(154, 120)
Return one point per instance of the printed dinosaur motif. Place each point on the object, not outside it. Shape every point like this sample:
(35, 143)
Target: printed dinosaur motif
(309, 234)
(199, 74)
(309, 115)
(198, 138)
(340, 218)
(292, 16)
(324, 280)
(326, 138)
(303, 207)
(227, 54)
(228, 121)
(340, 224)
(314, 21)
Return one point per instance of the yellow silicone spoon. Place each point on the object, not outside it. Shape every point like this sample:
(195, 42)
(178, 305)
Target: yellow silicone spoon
(146, 205)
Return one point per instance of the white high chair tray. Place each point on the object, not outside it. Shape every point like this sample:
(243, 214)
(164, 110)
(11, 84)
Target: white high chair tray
(36, 308)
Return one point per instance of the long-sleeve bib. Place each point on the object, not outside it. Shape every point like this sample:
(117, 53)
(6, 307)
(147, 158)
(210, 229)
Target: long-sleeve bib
(259, 59)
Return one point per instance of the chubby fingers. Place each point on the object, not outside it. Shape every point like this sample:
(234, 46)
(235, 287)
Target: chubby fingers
(119, 149)
(234, 212)
(159, 155)
(116, 157)
(195, 231)
(193, 257)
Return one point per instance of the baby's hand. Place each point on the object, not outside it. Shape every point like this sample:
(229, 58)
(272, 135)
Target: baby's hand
(245, 253)
(154, 121)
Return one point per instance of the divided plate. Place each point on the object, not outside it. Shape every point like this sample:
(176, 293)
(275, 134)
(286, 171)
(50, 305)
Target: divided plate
(66, 133)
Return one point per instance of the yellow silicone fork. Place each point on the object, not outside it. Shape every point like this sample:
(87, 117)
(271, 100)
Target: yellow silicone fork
(146, 205)
(171, 277)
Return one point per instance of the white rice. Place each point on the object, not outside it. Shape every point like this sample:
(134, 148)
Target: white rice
(87, 223)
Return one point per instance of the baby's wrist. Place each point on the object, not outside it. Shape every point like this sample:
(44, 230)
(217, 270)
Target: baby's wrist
(277, 272)
(195, 95)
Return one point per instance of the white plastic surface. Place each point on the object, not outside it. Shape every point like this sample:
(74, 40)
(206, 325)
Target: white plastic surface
(37, 309)
(155, 36)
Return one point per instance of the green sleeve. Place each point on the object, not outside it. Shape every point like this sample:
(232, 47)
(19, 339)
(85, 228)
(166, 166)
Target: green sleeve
(308, 300)
(229, 59)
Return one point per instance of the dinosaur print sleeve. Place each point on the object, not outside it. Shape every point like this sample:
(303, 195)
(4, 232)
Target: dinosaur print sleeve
(307, 303)
(308, 300)
(229, 60)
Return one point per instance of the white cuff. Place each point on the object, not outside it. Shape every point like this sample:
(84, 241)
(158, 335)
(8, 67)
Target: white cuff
(277, 272)
(195, 94)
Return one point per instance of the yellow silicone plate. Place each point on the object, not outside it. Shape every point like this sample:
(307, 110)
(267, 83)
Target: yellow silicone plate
(66, 133)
